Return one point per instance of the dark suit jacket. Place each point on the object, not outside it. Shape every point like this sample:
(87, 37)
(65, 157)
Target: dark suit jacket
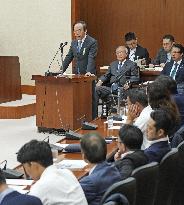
(180, 73)
(128, 70)
(83, 60)
(161, 57)
(130, 162)
(179, 100)
(141, 53)
(16, 198)
(157, 151)
(95, 184)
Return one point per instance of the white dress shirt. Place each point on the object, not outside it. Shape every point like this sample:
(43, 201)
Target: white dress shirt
(58, 187)
(141, 123)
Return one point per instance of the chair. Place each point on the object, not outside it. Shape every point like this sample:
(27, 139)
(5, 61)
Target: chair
(167, 178)
(126, 187)
(116, 199)
(178, 137)
(178, 196)
(146, 183)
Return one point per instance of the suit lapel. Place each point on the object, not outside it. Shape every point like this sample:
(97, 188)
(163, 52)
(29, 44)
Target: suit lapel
(181, 67)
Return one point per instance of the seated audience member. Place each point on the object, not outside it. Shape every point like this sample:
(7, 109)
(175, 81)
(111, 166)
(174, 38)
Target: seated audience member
(138, 111)
(53, 185)
(159, 124)
(175, 68)
(9, 196)
(129, 155)
(102, 174)
(178, 98)
(164, 54)
(159, 98)
(135, 51)
(119, 71)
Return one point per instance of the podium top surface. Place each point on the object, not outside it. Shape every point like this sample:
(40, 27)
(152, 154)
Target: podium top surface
(71, 78)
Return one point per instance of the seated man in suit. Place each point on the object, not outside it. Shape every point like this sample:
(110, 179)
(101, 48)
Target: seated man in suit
(129, 156)
(164, 54)
(53, 185)
(175, 68)
(135, 51)
(138, 112)
(9, 196)
(159, 124)
(119, 72)
(102, 174)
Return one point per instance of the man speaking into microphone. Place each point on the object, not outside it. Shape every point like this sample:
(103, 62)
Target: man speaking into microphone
(83, 51)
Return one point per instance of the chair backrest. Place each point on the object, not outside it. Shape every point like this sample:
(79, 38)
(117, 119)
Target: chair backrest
(116, 199)
(168, 170)
(178, 137)
(146, 183)
(126, 187)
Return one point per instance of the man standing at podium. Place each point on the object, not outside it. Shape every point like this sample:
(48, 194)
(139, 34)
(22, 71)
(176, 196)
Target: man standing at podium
(83, 51)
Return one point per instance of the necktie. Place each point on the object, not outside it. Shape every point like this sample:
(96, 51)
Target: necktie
(79, 45)
(173, 73)
(119, 66)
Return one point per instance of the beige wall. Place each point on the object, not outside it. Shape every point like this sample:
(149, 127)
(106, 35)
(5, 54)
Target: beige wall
(33, 31)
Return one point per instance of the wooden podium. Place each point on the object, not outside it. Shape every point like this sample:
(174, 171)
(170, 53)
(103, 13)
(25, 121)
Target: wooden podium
(10, 81)
(63, 102)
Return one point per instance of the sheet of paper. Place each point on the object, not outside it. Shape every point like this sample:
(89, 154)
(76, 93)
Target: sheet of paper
(20, 182)
(61, 145)
(20, 189)
(115, 127)
(71, 164)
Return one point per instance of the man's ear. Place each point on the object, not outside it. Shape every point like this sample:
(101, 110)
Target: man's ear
(160, 133)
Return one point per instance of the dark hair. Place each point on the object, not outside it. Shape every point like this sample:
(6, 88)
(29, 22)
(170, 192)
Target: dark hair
(168, 82)
(163, 120)
(84, 25)
(36, 151)
(2, 177)
(138, 95)
(94, 147)
(169, 36)
(131, 136)
(179, 46)
(130, 36)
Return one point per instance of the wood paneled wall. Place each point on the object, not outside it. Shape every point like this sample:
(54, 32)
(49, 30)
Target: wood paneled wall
(109, 20)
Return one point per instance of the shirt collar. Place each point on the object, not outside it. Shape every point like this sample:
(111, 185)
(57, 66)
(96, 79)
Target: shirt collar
(90, 172)
(159, 140)
(122, 62)
(126, 153)
(178, 62)
(82, 41)
(4, 193)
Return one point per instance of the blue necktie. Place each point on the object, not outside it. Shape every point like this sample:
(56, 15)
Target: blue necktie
(173, 73)
(79, 45)
(119, 66)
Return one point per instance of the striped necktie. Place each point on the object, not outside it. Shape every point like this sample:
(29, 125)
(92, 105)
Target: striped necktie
(173, 73)
(79, 45)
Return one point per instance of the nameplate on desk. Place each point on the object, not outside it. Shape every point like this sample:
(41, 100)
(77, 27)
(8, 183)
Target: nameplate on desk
(71, 164)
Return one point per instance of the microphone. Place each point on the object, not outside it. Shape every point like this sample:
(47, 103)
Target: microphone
(46, 139)
(10, 173)
(53, 146)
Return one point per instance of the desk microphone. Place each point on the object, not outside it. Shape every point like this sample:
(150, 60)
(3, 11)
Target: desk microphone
(53, 146)
(10, 173)
(46, 139)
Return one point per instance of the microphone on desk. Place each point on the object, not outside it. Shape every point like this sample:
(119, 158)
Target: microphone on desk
(52, 146)
(10, 173)
(46, 139)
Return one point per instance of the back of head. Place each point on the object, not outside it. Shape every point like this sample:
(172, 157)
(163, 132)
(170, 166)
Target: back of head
(169, 36)
(131, 136)
(130, 36)
(94, 148)
(138, 95)
(2, 178)
(36, 151)
(163, 120)
(167, 82)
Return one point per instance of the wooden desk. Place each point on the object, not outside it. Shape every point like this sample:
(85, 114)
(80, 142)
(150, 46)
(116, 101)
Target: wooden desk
(10, 81)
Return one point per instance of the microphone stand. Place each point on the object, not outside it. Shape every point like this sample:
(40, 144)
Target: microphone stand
(61, 67)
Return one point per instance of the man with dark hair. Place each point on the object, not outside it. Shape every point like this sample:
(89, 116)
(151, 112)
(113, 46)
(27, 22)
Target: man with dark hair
(129, 155)
(138, 111)
(164, 54)
(159, 125)
(9, 196)
(102, 174)
(135, 51)
(53, 185)
(83, 51)
(175, 68)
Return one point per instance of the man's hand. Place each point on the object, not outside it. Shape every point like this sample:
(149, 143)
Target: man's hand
(117, 156)
(99, 83)
(162, 65)
(89, 74)
(132, 113)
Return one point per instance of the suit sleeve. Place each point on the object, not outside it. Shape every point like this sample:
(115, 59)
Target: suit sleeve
(106, 76)
(134, 71)
(156, 60)
(147, 56)
(92, 58)
(68, 59)
(88, 188)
